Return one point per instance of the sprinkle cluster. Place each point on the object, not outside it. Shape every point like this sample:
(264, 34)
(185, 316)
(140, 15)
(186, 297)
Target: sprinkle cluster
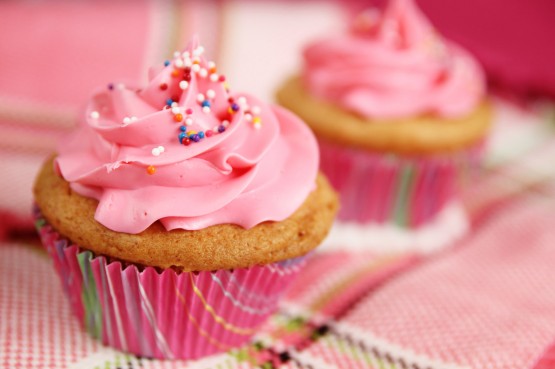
(184, 66)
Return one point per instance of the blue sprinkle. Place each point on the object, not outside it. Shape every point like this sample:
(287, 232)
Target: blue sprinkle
(182, 135)
(221, 129)
(183, 128)
(166, 63)
(205, 103)
(169, 102)
(234, 107)
(201, 134)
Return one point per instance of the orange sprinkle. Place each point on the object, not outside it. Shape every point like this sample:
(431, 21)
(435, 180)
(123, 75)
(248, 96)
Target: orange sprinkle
(178, 117)
(151, 169)
(175, 73)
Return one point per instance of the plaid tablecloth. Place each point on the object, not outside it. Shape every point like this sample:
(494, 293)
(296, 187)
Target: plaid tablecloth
(488, 302)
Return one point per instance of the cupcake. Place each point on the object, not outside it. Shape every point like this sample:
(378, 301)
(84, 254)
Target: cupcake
(398, 112)
(178, 213)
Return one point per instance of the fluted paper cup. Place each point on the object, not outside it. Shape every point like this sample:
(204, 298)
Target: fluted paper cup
(407, 191)
(166, 314)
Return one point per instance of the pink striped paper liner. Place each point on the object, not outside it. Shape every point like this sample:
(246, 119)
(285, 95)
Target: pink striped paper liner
(407, 191)
(166, 314)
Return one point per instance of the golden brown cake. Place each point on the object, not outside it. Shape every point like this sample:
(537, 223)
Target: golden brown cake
(422, 134)
(224, 246)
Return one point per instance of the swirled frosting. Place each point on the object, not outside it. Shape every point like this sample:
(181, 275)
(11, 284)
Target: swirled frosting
(392, 65)
(186, 152)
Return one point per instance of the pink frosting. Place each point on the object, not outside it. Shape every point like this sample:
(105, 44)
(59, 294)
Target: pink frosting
(394, 65)
(260, 168)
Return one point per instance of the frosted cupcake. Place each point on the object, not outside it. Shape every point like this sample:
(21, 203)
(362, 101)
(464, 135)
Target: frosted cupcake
(398, 113)
(178, 213)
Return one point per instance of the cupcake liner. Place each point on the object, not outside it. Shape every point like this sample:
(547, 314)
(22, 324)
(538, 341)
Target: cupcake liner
(407, 191)
(166, 314)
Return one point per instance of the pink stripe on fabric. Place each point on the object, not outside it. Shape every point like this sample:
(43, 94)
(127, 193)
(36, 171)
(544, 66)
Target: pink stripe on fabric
(547, 360)
(79, 46)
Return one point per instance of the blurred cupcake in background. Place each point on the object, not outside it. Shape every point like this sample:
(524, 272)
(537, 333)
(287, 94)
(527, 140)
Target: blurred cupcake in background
(399, 113)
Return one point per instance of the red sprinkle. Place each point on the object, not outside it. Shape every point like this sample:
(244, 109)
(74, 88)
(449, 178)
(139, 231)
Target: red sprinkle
(163, 86)
(186, 141)
(209, 133)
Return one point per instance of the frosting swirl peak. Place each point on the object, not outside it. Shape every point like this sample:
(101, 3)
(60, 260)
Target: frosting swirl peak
(392, 65)
(187, 152)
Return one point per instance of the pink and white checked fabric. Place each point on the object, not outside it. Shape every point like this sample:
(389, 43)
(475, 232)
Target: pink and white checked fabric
(37, 329)
(489, 304)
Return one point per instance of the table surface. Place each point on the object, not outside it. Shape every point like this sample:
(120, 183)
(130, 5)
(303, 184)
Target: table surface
(487, 302)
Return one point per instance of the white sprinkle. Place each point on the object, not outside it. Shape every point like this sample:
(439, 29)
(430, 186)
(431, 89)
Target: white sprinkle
(188, 121)
(242, 100)
(211, 94)
(200, 98)
(161, 148)
(257, 125)
(186, 54)
(198, 51)
(126, 120)
(95, 114)
(156, 151)
(134, 119)
(120, 86)
(214, 77)
(176, 54)
(176, 110)
(174, 104)
(211, 65)
(188, 62)
(225, 123)
(206, 109)
(195, 68)
(183, 85)
(203, 73)
(255, 110)
(248, 117)
(178, 63)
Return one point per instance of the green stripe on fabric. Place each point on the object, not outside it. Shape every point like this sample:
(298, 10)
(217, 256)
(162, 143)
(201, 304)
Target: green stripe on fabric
(354, 352)
(93, 310)
(403, 192)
